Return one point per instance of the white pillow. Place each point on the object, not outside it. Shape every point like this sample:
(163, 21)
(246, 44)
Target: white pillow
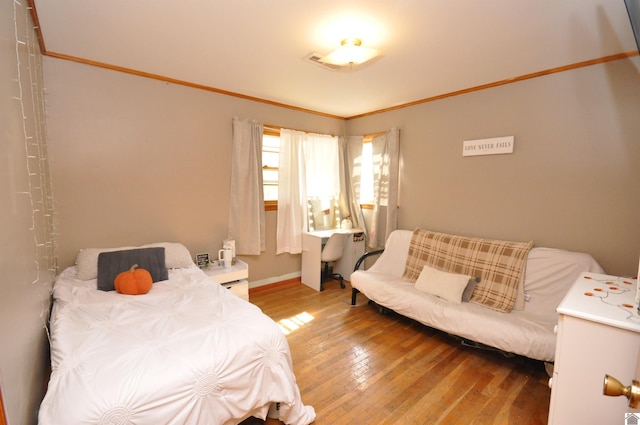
(176, 256)
(445, 285)
(87, 261)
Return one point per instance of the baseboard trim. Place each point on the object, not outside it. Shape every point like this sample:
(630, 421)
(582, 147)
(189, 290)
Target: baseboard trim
(276, 285)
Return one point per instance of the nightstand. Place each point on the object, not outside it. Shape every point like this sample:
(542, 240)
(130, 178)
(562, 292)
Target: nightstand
(233, 278)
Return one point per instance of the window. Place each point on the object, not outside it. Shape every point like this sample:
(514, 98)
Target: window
(270, 164)
(366, 174)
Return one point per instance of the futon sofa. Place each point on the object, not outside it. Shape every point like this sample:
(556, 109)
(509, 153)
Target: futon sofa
(457, 285)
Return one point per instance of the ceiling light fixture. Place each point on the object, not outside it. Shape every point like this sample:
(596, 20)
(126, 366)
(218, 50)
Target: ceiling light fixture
(350, 52)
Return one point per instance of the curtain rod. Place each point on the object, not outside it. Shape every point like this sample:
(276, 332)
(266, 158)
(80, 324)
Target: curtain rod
(276, 128)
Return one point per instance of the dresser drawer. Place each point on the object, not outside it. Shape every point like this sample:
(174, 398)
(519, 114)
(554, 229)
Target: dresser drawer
(239, 288)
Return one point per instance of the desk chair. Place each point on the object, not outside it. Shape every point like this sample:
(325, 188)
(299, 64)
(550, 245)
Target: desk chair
(332, 251)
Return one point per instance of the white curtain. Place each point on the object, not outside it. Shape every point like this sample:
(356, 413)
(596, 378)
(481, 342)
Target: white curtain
(322, 165)
(246, 201)
(291, 208)
(308, 168)
(350, 176)
(384, 219)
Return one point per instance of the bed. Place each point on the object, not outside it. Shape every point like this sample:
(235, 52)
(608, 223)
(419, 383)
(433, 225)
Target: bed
(186, 352)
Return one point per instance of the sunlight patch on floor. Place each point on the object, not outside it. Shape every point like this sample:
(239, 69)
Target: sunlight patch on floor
(294, 322)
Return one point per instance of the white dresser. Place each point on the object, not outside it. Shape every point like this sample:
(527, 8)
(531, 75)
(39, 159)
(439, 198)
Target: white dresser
(233, 278)
(598, 334)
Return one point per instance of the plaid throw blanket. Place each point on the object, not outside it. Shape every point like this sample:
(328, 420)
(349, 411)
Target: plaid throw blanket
(499, 264)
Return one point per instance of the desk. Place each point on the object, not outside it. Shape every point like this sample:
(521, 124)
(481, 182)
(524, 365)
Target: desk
(312, 244)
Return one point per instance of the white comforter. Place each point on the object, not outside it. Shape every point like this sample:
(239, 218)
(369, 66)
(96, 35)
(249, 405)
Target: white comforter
(188, 352)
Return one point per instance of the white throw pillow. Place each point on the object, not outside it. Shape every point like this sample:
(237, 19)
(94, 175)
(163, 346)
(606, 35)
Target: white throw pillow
(445, 285)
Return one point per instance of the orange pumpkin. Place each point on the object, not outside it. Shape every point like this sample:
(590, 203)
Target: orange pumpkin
(134, 281)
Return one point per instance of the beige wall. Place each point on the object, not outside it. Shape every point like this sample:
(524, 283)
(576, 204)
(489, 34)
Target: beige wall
(26, 248)
(573, 181)
(136, 160)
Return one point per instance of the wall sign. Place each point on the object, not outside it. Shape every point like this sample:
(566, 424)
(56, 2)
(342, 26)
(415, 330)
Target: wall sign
(494, 146)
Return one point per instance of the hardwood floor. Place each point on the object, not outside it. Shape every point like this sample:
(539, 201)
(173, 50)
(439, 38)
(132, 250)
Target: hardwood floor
(356, 366)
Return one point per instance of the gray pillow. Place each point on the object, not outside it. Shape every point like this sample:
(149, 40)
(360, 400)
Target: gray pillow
(468, 291)
(112, 263)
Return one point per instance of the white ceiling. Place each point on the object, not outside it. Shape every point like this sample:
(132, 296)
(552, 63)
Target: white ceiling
(257, 47)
